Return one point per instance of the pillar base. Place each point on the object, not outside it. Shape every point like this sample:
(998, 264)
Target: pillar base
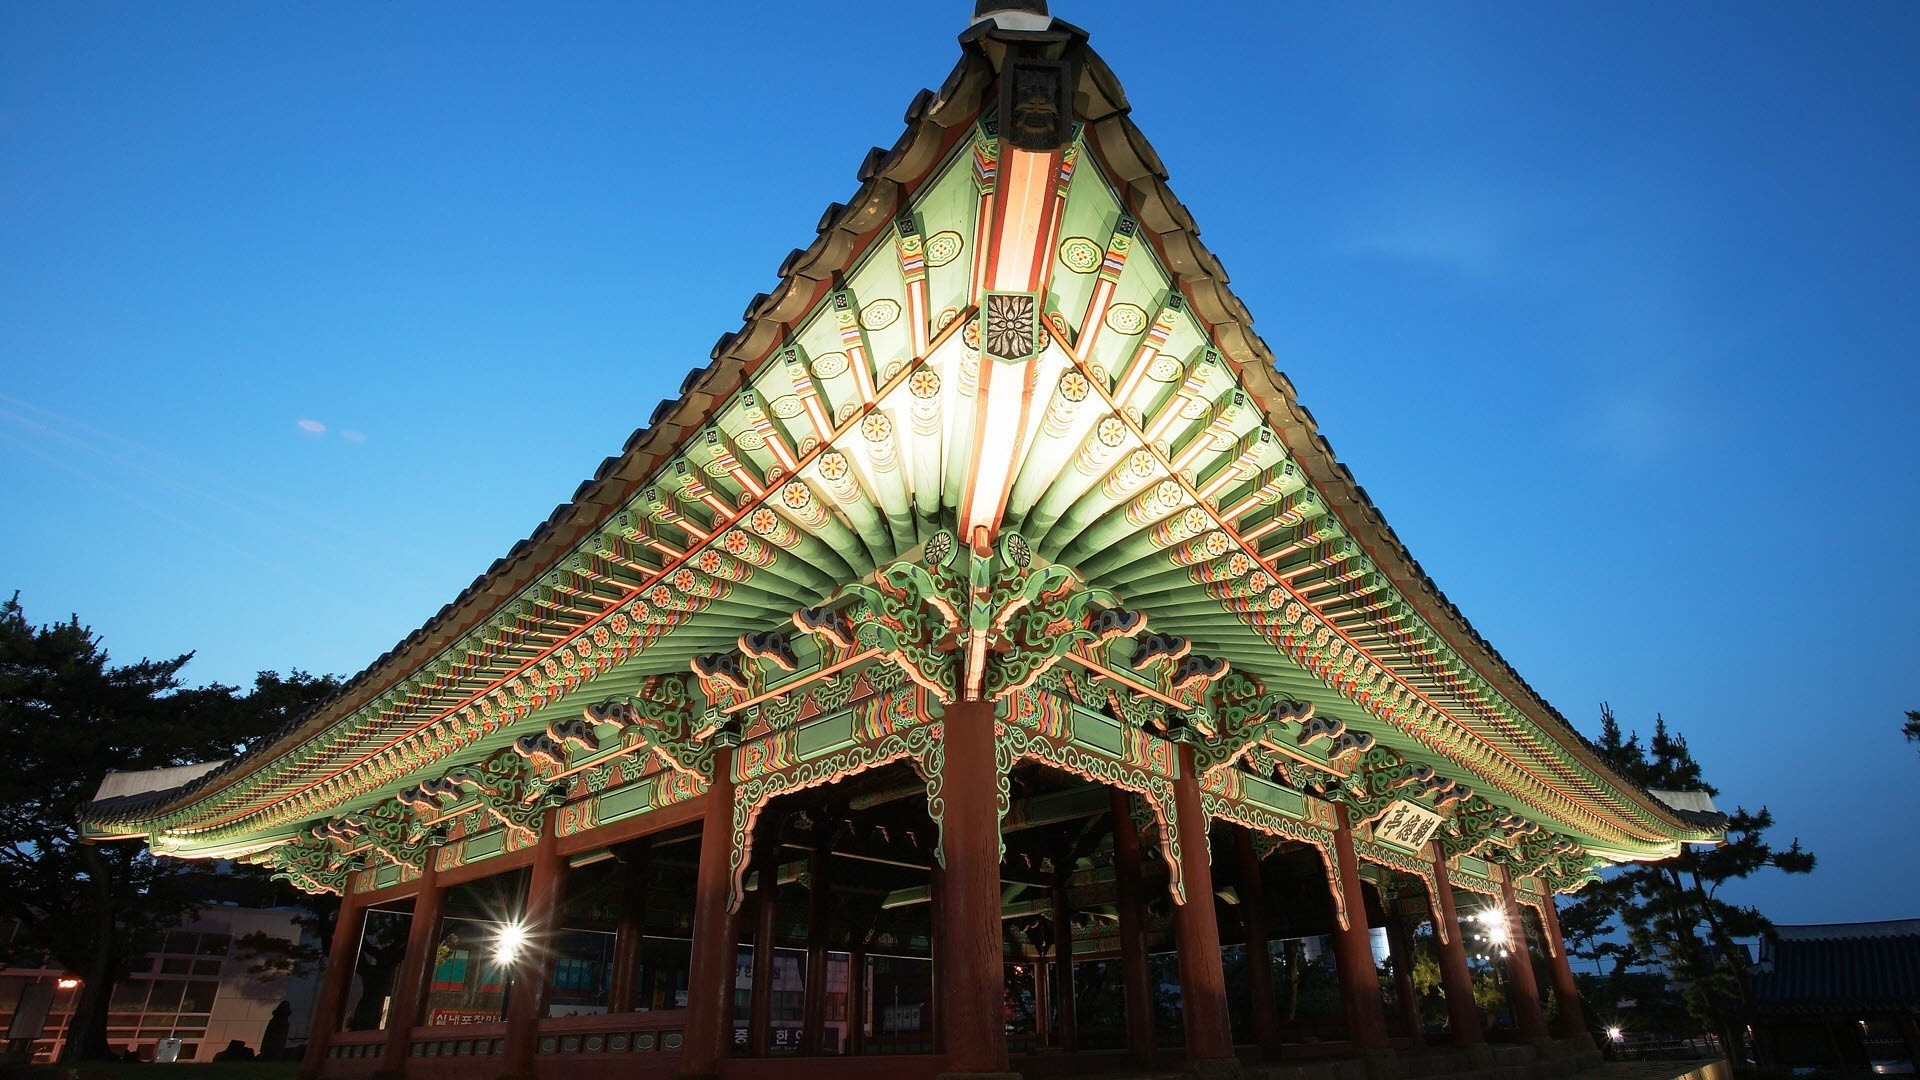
(1217, 1069)
(1383, 1065)
(1581, 1046)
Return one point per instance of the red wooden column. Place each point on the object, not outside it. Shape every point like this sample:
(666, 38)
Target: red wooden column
(1063, 965)
(1520, 980)
(973, 980)
(766, 910)
(813, 1015)
(415, 978)
(936, 950)
(1133, 932)
(630, 931)
(1573, 1018)
(1463, 1016)
(1353, 953)
(1042, 1012)
(710, 967)
(335, 979)
(1400, 941)
(1253, 908)
(533, 968)
(857, 998)
(1203, 981)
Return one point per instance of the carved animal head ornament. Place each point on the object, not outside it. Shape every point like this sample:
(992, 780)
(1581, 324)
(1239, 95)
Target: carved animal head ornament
(611, 711)
(1514, 825)
(723, 669)
(549, 748)
(1350, 742)
(424, 798)
(826, 623)
(1117, 623)
(1195, 671)
(1288, 711)
(1186, 725)
(1443, 789)
(338, 830)
(1160, 648)
(1320, 727)
(771, 646)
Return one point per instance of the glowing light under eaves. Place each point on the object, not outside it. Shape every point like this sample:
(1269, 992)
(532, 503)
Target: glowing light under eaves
(1494, 920)
(511, 939)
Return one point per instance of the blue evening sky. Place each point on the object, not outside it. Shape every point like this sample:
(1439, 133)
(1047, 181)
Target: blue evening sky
(309, 311)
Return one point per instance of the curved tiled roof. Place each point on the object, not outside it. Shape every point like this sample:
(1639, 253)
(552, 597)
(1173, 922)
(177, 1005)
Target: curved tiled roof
(845, 232)
(1840, 966)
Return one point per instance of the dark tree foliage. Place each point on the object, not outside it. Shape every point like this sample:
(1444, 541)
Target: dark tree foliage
(68, 714)
(1911, 729)
(1671, 911)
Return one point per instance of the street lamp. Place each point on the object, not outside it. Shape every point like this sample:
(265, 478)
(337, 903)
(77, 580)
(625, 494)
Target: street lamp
(1495, 927)
(508, 943)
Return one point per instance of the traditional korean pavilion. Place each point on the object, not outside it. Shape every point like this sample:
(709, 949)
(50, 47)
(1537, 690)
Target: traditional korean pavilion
(982, 654)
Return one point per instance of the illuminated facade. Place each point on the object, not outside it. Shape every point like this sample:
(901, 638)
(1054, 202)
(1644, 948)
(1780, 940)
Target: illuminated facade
(988, 624)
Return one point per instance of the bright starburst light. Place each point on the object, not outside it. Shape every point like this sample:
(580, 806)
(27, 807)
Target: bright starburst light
(512, 938)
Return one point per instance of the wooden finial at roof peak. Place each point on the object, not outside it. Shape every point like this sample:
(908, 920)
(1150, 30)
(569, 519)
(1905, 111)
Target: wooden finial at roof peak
(1013, 14)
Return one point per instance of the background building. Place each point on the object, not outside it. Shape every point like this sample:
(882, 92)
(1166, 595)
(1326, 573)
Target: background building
(1843, 994)
(196, 987)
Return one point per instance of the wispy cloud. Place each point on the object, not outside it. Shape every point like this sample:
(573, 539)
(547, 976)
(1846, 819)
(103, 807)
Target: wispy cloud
(159, 485)
(311, 427)
(1471, 226)
(1444, 234)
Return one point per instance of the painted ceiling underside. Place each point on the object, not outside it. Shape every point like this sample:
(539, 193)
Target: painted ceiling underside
(1142, 439)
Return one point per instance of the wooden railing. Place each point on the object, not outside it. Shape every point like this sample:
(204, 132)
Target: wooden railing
(355, 1045)
(599, 1035)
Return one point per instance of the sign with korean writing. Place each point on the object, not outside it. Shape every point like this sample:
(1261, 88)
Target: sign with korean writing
(1408, 825)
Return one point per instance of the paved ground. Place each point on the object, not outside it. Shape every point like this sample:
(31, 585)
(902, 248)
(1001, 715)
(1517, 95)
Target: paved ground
(1652, 1070)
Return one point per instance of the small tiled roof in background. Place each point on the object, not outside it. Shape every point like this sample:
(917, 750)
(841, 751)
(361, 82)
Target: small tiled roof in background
(1872, 966)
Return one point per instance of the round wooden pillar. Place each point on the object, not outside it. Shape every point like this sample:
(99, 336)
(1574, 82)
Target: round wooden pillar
(972, 986)
(415, 979)
(1400, 941)
(709, 1029)
(766, 894)
(813, 1016)
(1572, 1019)
(532, 969)
(630, 932)
(1133, 934)
(1203, 980)
(1463, 1015)
(1063, 1003)
(336, 978)
(1353, 952)
(1521, 983)
(1253, 907)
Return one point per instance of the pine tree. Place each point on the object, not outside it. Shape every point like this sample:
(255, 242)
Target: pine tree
(67, 715)
(1911, 729)
(1671, 910)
